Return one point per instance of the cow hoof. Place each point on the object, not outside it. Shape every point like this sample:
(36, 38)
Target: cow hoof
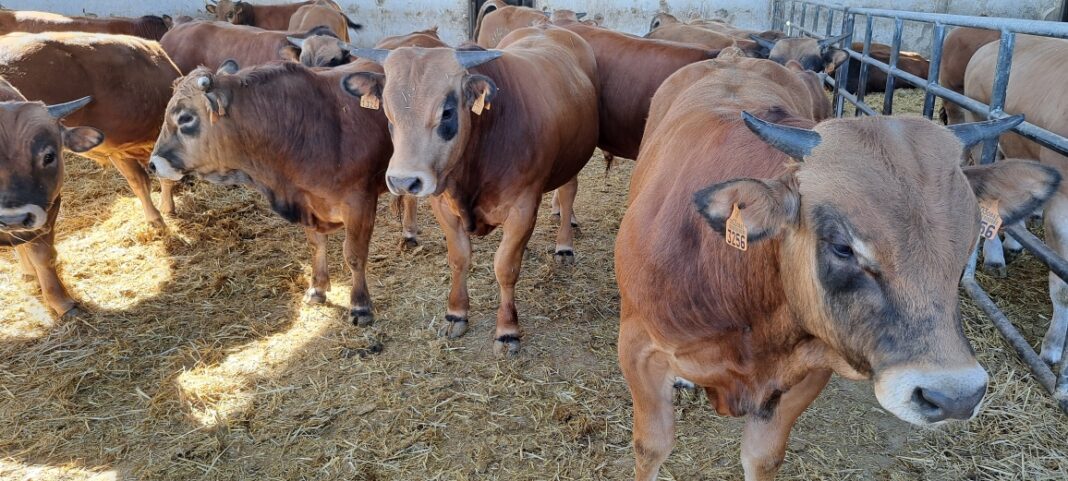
(158, 224)
(408, 243)
(996, 270)
(1051, 355)
(564, 257)
(314, 297)
(31, 278)
(455, 326)
(506, 346)
(361, 317)
(74, 313)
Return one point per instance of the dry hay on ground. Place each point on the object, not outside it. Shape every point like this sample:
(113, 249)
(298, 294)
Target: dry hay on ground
(201, 363)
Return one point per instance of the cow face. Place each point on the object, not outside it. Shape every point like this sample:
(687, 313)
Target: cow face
(320, 51)
(662, 19)
(875, 227)
(237, 13)
(427, 95)
(814, 55)
(31, 163)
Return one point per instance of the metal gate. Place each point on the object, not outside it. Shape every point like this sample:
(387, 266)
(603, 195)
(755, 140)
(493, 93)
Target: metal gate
(818, 19)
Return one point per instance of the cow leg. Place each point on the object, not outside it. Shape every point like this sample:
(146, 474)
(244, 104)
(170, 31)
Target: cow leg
(29, 274)
(1011, 244)
(507, 263)
(358, 229)
(555, 204)
(166, 196)
(320, 282)
(650, 381)
(1056, 224)
(409, 221)
(458, 242)
(565, 236)
(138, 179)
(765, 436)
(994, 257)
(42, 254)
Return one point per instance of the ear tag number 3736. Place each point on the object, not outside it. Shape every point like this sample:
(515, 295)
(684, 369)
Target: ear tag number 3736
(736, 234)
(989, 219)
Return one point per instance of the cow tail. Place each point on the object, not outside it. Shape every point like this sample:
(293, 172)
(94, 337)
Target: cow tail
(353, 25)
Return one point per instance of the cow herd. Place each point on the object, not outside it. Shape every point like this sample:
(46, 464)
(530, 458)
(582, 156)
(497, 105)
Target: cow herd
(765, 245)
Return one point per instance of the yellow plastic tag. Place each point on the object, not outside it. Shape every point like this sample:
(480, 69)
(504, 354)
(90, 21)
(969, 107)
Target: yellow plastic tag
(480, 103)
(989, 219)
(369, 101)
(737, 235)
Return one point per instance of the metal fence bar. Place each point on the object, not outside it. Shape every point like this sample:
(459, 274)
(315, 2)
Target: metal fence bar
(1001, 84)
(935, 71)
(862, 79)
(843, 72)
(895, 52)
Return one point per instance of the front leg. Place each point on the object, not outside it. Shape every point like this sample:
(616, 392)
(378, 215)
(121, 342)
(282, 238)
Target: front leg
(166, 196)
(359, 226)
(507, 262)
(765, 436)
(649, 378)
(29, 274)
(458, 242)
(320, 282)
(41, 253)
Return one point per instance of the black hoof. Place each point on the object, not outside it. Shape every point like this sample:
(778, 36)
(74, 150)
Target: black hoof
(361, 317)
(455, 326)
(996, 270)
(76, 312)
(506, 346)
(564, 257)
(408, 243)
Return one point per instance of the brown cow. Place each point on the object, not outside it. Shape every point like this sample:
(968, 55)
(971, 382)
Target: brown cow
(130, 80)
(322, 13)
(852, 263)
(148, 26)
(268, 17)
(957, 50)
(496, 23)
(320, 161)
(1037, 67)
(209, 44)
(910, 62)
(487, 167)
(814, 55)
(327, 51)
(31, 180)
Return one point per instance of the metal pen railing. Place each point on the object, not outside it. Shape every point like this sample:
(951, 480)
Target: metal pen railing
(803, 17)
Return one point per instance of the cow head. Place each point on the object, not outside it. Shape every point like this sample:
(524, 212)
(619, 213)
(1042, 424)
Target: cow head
(662, 19)
(564, 16)
(31, 160)
(318, 51)
(237, 13)
(875, 227)
(427, 95)
(814, 55)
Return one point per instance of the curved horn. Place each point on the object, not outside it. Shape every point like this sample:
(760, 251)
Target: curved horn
(579, 15)
(792, 141)
(58, 111)
(972, 133)
(827, 42)
(376, 55)
(763, 42)
(472, 58)
(297, 42)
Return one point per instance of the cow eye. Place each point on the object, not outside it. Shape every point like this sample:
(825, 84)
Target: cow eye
(185, 119)
(448, 114)
(843, 251)
(49, 158)
(230, 16)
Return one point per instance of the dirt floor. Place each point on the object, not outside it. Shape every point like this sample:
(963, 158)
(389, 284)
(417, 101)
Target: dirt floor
(202, 363)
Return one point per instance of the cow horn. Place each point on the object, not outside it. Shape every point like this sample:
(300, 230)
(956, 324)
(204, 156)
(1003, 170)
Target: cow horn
(58, 111)
(376, 55)
(297, 42)
(579, 15)
(547, 14)
(792, 141)
(763, 42)
(972, 133)
(827, 42)
(472, 58)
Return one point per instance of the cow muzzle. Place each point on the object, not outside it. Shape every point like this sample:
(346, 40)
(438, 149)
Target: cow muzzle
(419, 184)
(23, 218)
(927, 398)
(164, 169)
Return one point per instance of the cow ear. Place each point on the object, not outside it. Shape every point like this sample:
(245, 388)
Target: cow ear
(832, 58)
(289, 53)
(767, 206)
(1019, 186)
(229, 67)
(210, 8)
(218, 104)
(81, 139)
(168, 22)
(367, 86)
(475, 86)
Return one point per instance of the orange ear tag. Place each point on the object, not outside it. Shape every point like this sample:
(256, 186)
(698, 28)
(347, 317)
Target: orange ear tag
(480, 103)
(736, 235)
(369, 101)
(989, 219)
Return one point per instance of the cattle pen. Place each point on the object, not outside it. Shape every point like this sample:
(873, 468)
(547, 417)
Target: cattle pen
(200, 360)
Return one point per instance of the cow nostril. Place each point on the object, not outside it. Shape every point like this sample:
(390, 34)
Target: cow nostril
(29, 220)
(410, 185)
(151, 167)
(415, 186)
(937, 406)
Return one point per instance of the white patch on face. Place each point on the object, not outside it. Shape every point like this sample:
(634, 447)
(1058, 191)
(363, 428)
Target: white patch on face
(39, 215)
(895, 389)
(164, 169)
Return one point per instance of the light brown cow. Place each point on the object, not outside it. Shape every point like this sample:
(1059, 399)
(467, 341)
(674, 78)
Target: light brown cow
(129, 79)
(957, 50)
(814, 55)
(684, 33)
(852, 263)
(496, 23)
(486, 158)
(268, 17)
(149, 26)
(31, 181)
(327, 51)
(320, 161)
(1037, 66)
(322, 13)
(209, 44)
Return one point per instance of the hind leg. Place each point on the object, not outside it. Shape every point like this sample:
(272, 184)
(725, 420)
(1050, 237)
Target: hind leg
(1056, 223)
(320, 283)
(166, 196)
(565, 236)
(409, 221)
(136, 176)
(26, 265)
(994, 257)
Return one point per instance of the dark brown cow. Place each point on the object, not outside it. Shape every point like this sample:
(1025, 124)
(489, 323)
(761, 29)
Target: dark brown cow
(496, 23)
(209, 44)
(268, 17)
(129, 79)
(31, 180)
(910, 62)
(814, 55)
(957, 50)
(149, 26)
(320, 161)
(486, 158)
(852, 263)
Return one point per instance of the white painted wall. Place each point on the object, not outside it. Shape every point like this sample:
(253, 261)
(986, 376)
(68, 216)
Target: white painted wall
(634, 16)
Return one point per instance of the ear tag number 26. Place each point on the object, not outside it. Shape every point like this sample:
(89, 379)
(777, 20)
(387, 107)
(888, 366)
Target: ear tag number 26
(989, 219)
(736, 234)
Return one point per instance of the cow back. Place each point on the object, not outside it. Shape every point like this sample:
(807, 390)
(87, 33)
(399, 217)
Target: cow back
(209, 44)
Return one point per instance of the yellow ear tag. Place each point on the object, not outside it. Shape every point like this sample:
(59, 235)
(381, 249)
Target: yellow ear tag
(369, 101)
(989, 219)
(480, 103)
(736, 234)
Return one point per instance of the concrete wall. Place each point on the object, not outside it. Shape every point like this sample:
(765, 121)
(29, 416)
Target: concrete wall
(633, 16)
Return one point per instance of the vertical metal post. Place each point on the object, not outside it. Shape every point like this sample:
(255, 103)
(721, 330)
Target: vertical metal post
(862, 79)
(888, 96)
(842, 80)
(934, 73)
(1001, 84)
(776, 15)
(830, 22)
(801, 21)
(790, 22)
